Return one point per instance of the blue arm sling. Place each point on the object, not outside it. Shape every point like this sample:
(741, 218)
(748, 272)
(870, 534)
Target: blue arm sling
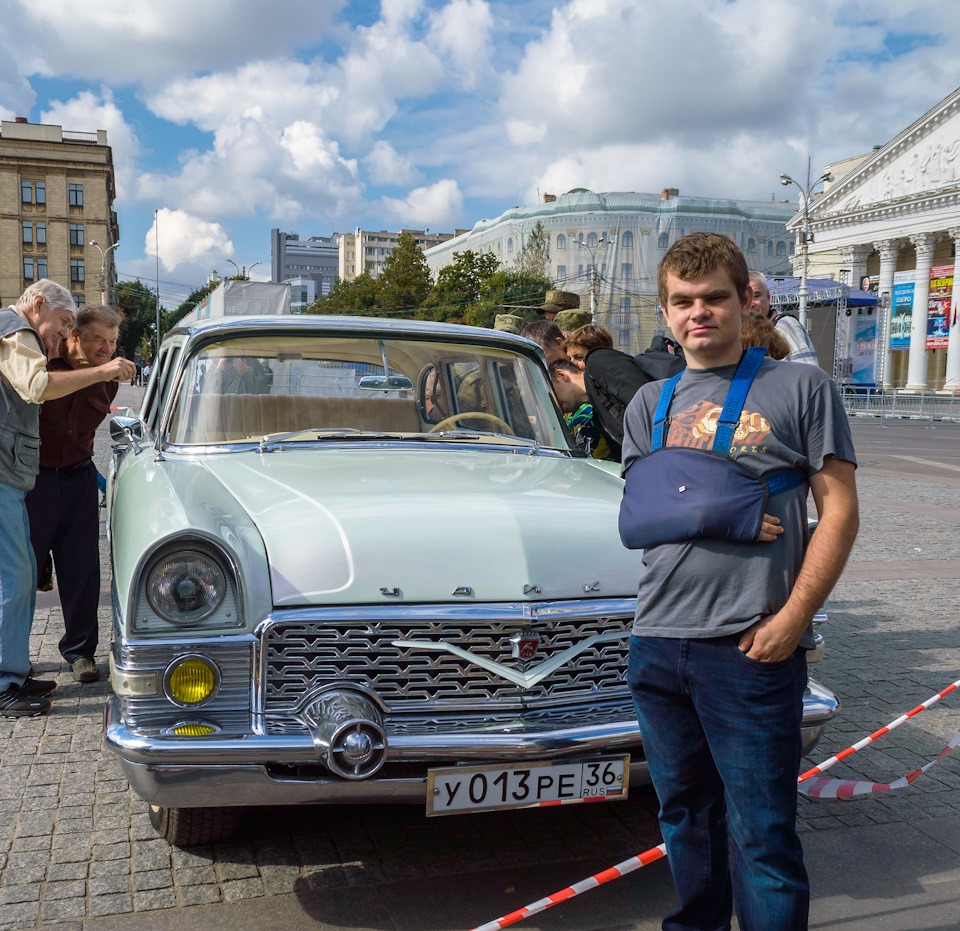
(678, 493)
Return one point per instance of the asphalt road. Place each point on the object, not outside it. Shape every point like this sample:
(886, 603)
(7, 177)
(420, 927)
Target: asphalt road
(77, 851)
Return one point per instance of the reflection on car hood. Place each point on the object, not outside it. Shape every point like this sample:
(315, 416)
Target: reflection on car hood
(342, 524)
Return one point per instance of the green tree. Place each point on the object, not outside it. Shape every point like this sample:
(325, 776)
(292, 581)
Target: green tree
(534, 258)
(169, 320)
(458, 285)
(348, 297)
(138, 306)
(508, 291)
(405, 281)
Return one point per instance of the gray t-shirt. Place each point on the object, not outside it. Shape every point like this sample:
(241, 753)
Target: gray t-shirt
(793, 417)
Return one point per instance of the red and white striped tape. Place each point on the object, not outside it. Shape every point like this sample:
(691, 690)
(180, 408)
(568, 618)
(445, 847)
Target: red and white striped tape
(818, 788)
(615, 872)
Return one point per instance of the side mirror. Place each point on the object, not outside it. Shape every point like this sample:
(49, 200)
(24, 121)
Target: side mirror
(127, 429)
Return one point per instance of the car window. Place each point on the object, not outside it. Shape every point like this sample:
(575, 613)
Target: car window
(166, 366)
(244, 388)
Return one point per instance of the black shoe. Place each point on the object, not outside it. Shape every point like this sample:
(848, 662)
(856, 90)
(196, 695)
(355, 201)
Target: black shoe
(14, 704)
(45, 576)
(37, 687)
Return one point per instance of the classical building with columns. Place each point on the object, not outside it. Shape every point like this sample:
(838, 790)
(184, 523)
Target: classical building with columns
(893, 216)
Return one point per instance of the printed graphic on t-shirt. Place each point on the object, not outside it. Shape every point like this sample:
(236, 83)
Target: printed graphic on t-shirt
(697, 426)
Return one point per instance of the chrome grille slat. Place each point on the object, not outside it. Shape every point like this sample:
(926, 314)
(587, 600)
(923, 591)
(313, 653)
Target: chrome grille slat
(302, 655)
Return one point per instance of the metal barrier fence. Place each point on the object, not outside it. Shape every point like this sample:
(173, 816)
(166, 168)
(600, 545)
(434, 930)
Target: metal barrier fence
(892, 403)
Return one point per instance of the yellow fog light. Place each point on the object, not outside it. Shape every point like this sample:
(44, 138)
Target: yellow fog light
(193, 730)
(192, 680)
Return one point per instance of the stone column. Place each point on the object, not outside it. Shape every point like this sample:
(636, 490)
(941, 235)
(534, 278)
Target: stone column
(917, 367)
(856, 257)
(952, 379)
(888, 249)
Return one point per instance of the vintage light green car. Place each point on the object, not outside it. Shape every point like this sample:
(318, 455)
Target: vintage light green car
(362, 560)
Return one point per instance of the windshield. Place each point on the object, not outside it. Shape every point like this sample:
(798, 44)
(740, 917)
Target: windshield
(247, 388)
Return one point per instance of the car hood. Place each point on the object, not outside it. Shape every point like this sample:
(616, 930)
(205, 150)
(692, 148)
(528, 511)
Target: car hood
(369, 525)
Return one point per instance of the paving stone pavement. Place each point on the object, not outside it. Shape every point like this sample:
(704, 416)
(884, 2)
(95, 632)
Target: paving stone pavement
(75, 844)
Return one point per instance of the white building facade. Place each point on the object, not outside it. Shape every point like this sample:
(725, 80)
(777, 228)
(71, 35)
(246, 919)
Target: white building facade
(606, 247)
(893, 216)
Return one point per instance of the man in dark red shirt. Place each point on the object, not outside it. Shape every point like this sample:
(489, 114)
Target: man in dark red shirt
(64, 504)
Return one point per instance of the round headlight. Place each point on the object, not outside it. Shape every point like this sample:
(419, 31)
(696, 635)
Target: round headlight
(186, 587)
(192, 680)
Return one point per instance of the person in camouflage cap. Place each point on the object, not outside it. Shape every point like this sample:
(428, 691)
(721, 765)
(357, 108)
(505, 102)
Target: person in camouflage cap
(508, 323)
(570, 320)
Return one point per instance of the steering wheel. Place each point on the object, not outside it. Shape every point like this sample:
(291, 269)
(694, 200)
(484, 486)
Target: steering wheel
(465, 415)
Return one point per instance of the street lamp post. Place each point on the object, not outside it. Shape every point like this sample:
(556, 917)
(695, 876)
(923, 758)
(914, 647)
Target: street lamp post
(601, 242)
(805, 237)
(103, 267)
(242, 272)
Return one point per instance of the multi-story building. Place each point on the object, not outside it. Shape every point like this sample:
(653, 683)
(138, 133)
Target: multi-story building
(889, 221)
(56, 200)
(294, 261)
(366, 250)
(606, 247)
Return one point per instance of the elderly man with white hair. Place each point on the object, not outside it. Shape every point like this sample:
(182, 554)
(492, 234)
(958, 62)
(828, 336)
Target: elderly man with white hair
(36, 325)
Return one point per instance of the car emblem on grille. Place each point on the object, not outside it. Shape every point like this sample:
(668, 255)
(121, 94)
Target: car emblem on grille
(523, 646)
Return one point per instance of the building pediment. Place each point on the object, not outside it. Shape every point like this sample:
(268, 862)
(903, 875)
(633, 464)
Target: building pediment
(922, 160)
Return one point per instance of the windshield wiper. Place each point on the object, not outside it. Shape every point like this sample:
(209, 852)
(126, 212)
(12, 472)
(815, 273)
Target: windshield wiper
(470, 435)
(315, 434)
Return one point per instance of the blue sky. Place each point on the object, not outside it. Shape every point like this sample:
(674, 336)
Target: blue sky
(230, 117)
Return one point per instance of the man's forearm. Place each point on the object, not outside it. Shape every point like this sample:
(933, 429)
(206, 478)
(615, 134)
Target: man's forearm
(60, 384)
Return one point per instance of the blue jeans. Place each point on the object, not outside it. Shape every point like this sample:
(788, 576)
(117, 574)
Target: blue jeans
(721, 734)
(18, 587)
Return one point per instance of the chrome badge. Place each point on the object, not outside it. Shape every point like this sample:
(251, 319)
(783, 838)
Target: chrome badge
(523, 645)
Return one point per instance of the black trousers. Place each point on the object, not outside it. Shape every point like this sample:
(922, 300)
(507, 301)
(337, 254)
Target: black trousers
(65, 520)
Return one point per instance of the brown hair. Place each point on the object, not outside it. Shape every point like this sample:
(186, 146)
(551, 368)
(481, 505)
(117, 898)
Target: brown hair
(566, 365)
(699, 254)
(544, 332)
(759, 331)
(96, 313)
(591, 336)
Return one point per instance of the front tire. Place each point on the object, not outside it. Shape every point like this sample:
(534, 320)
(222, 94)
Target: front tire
(187, 827)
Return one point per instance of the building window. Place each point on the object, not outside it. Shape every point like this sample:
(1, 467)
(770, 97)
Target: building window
(623, 337)
(26, 192)
(624, 305)
(626, 270)
(79, 299)
(781, 248)
(561, 272)
(28, 269)
(41, 267)
(76, 195)
(628, 239)
(370, 250)
(770, 247)
(793, 244)
(751, 245)
(561, 241)
(509, 244)
(76, 234)
(663, 241)
(76, 270)
(41, 234)
(40, 191)
(591, 240)
(580, 272)
(28, 232)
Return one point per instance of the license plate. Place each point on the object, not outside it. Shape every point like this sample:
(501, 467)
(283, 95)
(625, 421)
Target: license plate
(494, 787)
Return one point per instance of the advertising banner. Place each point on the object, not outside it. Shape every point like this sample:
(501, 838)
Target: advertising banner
(941, 290)
(863, 356)
(902, 310)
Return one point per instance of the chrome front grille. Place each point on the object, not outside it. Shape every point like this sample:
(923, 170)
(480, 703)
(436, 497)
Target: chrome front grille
(300, 655)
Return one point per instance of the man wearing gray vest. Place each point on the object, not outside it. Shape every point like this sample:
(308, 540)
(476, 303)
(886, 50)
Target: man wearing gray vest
(36, 325)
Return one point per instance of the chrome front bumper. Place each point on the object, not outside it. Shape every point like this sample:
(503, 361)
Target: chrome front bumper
(257, 770)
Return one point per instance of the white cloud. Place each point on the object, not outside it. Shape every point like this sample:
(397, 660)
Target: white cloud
(460, 32)
(387, 166)
(129, 41)
(185, 238)
(439, 206)
(88, 112)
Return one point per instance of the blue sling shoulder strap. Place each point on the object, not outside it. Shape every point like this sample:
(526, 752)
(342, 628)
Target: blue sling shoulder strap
(729, 417)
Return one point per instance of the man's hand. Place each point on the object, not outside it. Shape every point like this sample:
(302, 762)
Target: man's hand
(118, 369)
(768, 641)
(770, 529)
